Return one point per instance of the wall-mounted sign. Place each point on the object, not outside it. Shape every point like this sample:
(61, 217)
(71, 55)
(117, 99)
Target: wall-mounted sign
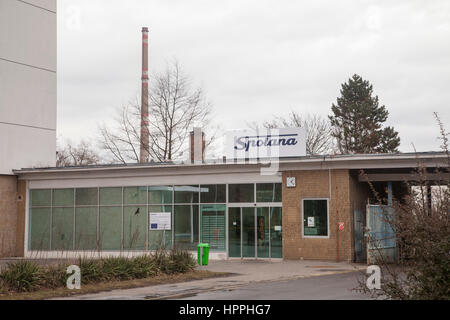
(341, 226)
(265, 143)
(160, 220)
(290, 182)
(311, 222)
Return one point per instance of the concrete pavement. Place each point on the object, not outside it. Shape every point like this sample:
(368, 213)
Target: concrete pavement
(244, 273)
(325, 287)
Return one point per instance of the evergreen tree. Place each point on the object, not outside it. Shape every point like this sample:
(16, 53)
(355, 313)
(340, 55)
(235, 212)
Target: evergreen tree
(357, 120)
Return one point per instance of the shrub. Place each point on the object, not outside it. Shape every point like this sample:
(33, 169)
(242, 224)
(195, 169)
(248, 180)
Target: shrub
(422, 230)
(161, 260)
(23, 276)
(118, 268)
(144, 267)
(180, 261)
(29, 276)
(55, 276)
(91, 270)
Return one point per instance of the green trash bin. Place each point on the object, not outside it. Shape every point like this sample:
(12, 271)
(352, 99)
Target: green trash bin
(203, 254)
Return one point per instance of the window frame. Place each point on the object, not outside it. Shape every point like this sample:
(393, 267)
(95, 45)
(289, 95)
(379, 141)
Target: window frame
(303, 219)
(273, 194)
(241, 202)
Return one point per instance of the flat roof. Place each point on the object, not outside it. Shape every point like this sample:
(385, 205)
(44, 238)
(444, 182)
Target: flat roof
(392, 160)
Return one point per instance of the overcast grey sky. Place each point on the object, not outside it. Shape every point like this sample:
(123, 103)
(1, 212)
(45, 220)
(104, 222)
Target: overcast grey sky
(258, 58)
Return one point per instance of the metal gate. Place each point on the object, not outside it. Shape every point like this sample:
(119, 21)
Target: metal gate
(359, 225)
(380, 236)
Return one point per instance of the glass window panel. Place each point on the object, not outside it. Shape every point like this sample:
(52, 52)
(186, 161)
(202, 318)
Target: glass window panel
(160, 239)
(63, 197)
(262, 232)
(186, 194)
(86, 228)
(110, 196)
(248, 232)
(315, 217)
(234, 232)
(268, 192)
(41, 198)
(86, 196)
(276, 239)
(110, 228)
(213, 193)
(135, 195)
(62, 228)
(160, 194)
(186, 226)
(40, 229)
(241, 193)
(134, 227)
(213, 226)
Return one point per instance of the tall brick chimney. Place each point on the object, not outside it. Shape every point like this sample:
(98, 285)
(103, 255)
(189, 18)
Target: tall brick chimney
(143, 155)
(197, 146)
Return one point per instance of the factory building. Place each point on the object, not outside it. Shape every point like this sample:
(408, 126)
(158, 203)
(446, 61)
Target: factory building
(311, 208)
(266, 199)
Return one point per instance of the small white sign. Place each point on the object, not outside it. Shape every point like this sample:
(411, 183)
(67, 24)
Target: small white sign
(160, 220)
(311, 223)
(277, 228)
(290, 182)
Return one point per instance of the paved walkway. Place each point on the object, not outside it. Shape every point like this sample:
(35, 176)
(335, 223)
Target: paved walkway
(326, 287)
(244, 272)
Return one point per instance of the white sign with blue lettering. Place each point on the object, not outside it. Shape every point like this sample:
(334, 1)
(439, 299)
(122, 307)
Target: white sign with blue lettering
(160, 220)
(266, 143)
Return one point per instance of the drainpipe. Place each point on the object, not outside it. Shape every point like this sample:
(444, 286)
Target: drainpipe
(337, 218)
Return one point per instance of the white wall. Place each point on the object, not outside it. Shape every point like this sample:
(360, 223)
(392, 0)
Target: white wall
(27, 84)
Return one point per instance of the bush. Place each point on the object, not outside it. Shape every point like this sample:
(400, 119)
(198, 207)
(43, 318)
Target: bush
(144, 267)
(23, 276)
(118, 268)
(91, 270)
(55, 276)
(422, 230)
(180, 261)
(29, 276)
(161, 260)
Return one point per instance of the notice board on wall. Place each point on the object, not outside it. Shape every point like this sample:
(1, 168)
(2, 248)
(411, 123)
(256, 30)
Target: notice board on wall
(160, 220)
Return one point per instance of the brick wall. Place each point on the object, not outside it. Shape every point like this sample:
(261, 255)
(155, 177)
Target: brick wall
(21, 212)
(8, 215)
(316, 184)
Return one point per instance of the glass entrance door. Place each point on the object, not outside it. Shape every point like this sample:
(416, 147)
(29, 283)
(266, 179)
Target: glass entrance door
(263, 232)
(254, 232)
(234, 232)
(248, 233)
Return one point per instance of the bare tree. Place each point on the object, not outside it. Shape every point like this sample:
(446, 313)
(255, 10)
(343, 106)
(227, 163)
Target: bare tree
(174, 108)
(76, 155)
(318, 131)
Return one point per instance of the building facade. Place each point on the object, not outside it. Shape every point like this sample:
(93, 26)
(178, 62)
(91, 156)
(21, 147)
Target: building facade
(307, 209)
(27, 100)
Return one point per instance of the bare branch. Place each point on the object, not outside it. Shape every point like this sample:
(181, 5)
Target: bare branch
(174, 109)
